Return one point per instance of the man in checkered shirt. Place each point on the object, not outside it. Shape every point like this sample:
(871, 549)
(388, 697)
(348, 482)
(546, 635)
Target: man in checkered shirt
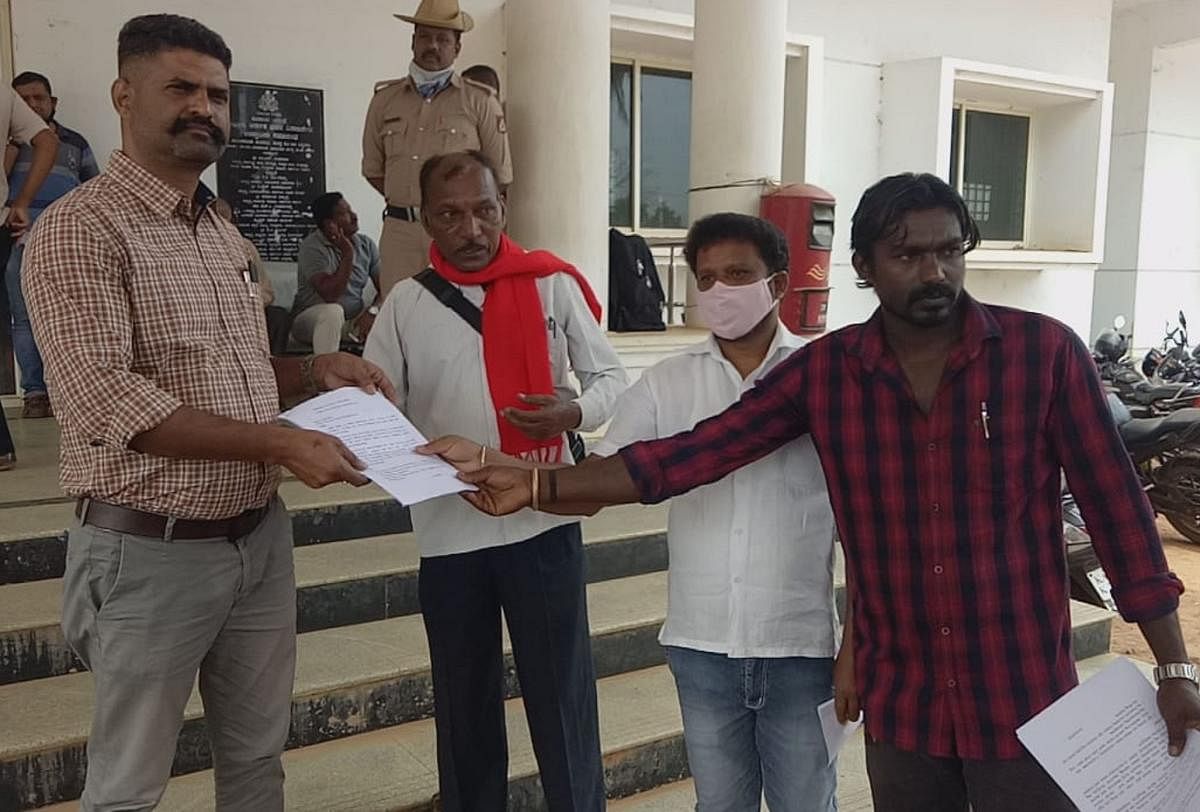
(150, 321)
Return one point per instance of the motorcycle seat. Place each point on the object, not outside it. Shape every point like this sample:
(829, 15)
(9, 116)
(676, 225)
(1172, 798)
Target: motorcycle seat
(1147, 431)
(1147, 393)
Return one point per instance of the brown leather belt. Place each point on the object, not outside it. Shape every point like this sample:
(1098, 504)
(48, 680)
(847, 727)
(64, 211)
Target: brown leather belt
(139, 523)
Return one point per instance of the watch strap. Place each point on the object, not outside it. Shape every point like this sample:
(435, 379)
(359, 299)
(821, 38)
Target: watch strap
(1176, 671)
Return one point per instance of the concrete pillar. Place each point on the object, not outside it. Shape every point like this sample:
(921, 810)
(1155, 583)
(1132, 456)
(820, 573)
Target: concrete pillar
(557, 106)
(739, 68)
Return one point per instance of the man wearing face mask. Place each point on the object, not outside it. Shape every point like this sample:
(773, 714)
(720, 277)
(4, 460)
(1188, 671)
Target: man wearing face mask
(750, 631)
(432, 111)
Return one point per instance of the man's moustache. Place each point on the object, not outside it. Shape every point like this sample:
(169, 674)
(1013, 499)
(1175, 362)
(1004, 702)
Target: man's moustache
(937, 292)
(209, 127)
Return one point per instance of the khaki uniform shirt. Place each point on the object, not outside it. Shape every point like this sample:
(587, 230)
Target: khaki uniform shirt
(403, 130)
(142, 302)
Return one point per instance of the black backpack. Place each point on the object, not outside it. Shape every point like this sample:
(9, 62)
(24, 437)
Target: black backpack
(635, 294)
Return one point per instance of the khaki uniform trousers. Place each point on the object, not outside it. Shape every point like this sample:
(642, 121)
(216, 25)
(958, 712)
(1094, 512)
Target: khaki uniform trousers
(403, 251)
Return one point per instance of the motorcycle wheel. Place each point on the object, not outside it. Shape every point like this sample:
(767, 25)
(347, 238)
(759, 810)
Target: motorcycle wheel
(1188, 526)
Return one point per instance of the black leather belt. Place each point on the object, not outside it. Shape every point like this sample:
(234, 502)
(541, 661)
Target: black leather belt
(411, 214)
(139, 523)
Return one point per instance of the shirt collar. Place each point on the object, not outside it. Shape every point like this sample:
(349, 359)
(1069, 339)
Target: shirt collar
(784, 340)
(159, 196)
(411, 86)
(978, 326)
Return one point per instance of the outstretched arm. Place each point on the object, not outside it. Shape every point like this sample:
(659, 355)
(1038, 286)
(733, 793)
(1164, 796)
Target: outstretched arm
(582, 489)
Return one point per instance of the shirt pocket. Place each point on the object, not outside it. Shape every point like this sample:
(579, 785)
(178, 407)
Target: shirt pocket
(392, 134)
(999, 458)
(556, 344)
(456, 132)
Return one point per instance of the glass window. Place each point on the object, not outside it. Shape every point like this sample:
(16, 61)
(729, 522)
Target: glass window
(665, 140)
(620, 148)
(990, 171)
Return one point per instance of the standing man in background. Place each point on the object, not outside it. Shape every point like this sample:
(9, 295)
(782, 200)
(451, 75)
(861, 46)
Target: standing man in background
(74, 163)
(430, 112)
(23, 126)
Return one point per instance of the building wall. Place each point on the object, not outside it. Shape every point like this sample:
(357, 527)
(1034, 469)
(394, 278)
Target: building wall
(1152, 257)
(345, 48)
(342, 49)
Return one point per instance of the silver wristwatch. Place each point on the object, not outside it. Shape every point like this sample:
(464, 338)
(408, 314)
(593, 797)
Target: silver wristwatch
(1176, 671)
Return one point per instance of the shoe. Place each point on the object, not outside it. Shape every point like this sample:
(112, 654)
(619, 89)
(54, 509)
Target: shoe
(36, 407)
(7, 461)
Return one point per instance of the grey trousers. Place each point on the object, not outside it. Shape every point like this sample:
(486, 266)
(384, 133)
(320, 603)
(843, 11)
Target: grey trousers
(145, 616)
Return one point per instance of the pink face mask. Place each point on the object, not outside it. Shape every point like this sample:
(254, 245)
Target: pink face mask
(731, 311)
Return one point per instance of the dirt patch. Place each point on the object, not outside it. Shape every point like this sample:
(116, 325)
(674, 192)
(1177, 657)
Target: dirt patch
(1184, 558)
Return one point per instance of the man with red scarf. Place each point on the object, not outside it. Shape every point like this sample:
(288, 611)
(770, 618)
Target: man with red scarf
(508, 386)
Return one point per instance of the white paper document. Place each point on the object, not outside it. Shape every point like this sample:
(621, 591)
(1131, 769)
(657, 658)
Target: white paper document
(836, 734)
(382, 437)
(1106, 746)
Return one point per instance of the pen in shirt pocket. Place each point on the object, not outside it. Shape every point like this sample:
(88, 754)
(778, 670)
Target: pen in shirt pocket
(983, 420)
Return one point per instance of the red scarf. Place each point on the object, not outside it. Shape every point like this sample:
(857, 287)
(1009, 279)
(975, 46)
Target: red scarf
(516, 352)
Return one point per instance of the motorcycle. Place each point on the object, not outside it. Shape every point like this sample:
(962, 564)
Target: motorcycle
(1120, 375)
(1172, 361)
(1166, 452)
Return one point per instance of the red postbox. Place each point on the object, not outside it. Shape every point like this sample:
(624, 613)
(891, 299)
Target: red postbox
(804, 214)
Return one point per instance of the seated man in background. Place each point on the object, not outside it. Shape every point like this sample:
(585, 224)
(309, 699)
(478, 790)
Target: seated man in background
(332, 269)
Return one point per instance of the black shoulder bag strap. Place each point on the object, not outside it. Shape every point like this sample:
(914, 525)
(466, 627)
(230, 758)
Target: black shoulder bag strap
(452, 297)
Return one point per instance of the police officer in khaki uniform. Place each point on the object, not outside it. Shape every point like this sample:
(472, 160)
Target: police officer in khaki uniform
(431, 111)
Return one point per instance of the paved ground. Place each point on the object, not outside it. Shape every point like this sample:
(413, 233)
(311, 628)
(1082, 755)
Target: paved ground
(1184, 558)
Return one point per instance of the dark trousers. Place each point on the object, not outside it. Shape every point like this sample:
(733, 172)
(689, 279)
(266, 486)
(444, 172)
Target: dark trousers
(914, 782)
(539, 584)
(6, 440)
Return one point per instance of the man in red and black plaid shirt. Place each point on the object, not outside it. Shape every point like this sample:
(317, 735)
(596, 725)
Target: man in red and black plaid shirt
(942, 425)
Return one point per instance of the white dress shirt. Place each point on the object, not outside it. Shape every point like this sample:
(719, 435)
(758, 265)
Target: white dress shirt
(435, 361)
(751, 555)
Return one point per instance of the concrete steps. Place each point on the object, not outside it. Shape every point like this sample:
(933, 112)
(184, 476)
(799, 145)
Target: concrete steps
(350, 680)
(395, 769)
(337, 584)
(352, 676)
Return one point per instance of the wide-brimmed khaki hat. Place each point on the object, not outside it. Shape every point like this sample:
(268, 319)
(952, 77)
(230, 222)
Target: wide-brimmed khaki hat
(440, 14)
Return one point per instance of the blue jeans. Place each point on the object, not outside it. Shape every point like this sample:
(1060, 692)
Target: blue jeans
(751, 726)
(28, 358)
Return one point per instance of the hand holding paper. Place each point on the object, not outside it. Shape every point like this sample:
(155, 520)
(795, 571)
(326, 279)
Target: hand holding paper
(1105, 745)
(836, 733)
(378, 434)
